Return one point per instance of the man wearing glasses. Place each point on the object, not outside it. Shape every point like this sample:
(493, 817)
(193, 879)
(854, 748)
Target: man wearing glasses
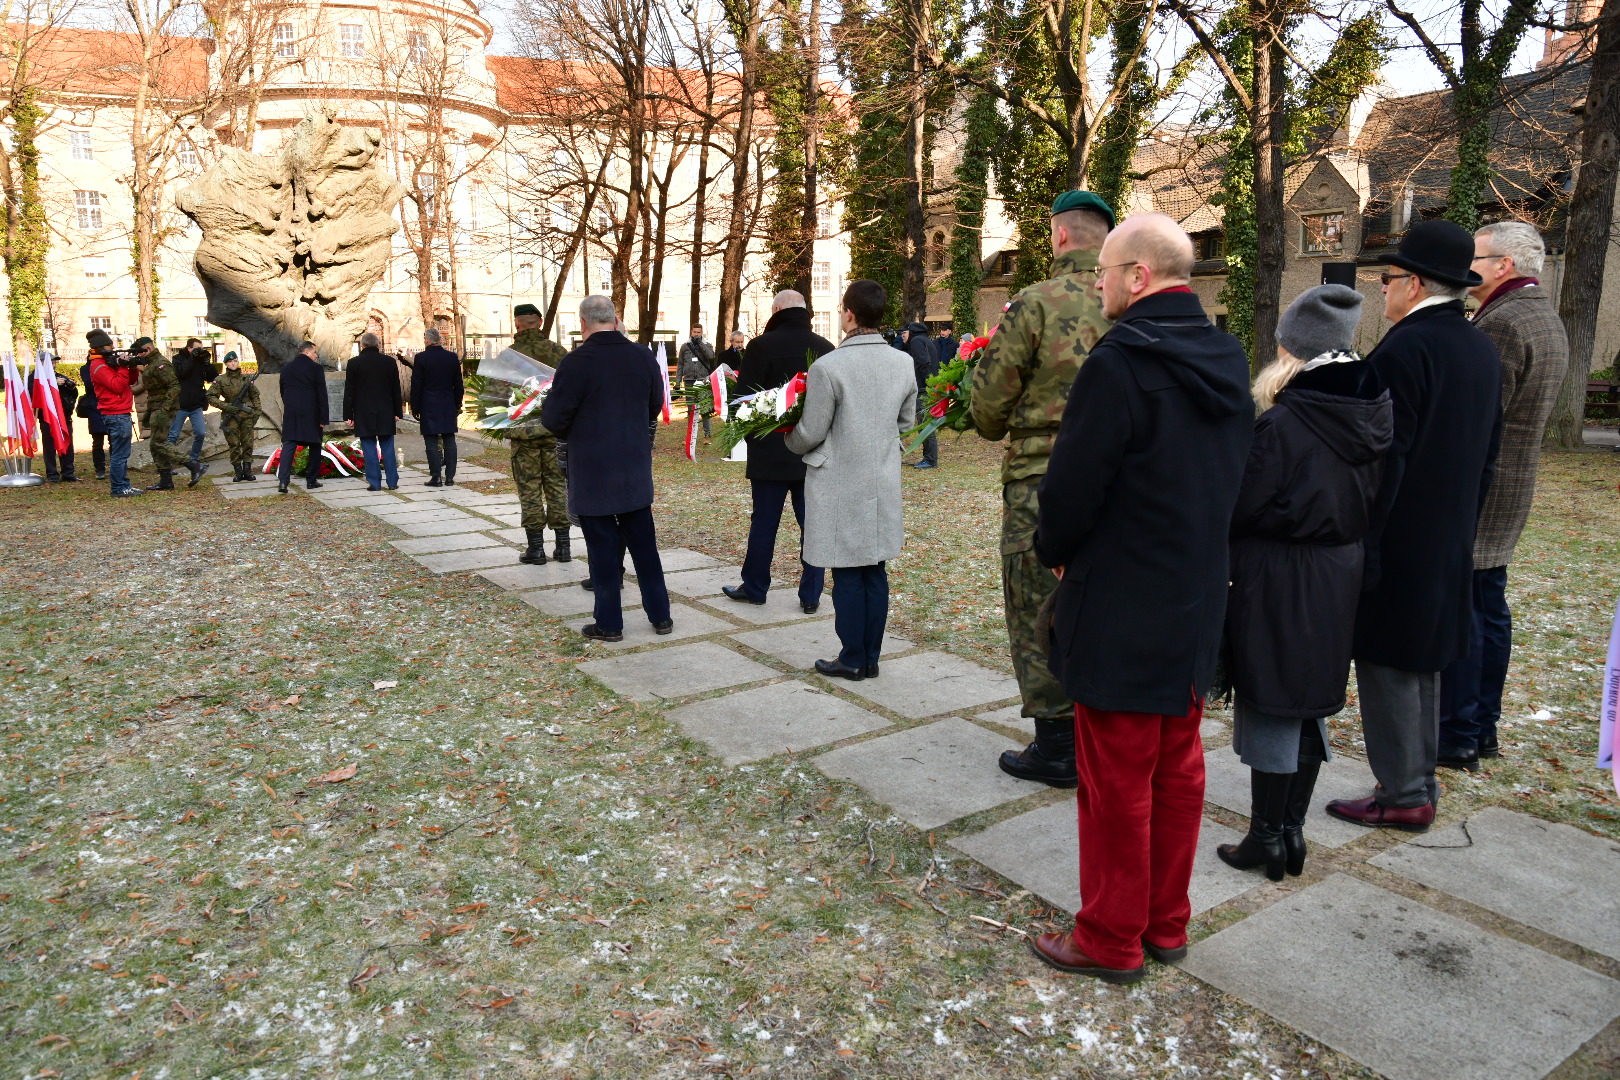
(1415, 615)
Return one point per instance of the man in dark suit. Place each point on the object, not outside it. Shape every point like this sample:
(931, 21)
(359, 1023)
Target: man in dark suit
(304, 413)
(371, 405)
(602, 398)
(925, 363)
(774, 472)
(1416, 611)
(436, 390)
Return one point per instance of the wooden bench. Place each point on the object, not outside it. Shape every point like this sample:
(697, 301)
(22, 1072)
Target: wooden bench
(1602, 400)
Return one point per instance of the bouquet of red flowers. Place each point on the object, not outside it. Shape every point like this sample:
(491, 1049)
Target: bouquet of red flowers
(340, 456)
(949, 395)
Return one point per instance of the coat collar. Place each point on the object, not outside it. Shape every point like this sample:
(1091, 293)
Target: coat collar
(789, 318)
(1430, 311)
(1164, 305)
(1524, 286)
(1073, 261)
(863, 339)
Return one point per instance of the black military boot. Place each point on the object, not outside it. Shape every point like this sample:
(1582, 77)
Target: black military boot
(562, 552)
(196, 468)
(535, 554)
(1268, 798)
(165, 480)
(240, 474)
(1049, 759)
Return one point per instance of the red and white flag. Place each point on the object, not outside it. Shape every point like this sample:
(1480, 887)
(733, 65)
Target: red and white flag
(19, 432)
(691, 434)
(663, 369)
(717, 382)
(48, 399)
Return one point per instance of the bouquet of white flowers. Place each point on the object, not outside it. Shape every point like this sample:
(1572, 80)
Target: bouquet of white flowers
(507, 392)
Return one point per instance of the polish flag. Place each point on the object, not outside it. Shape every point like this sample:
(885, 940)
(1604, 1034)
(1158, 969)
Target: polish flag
(19, 412)
(663, 369)
(717, 382)
(48, 399)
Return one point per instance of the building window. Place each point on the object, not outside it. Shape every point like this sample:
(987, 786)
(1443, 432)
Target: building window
(286, 44)
(475, 203)
(95, 271)
(442, 273)
(352, 41)
(426, 185)
(939, 252)
(604, 276)
(821, 278)
(821, 323)
(1321, 234)
(604, 221)
(526, 277)
(80, 142)
(421, 56)
(824, 221)
(522, 164)
(525, 224)
(200, 325)
(101, 322)
(1210, 245)
(187, 153)
(88, 205)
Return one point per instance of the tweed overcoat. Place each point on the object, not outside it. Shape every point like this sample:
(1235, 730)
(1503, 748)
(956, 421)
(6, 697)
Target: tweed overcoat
(857, 401)
(1529, 337)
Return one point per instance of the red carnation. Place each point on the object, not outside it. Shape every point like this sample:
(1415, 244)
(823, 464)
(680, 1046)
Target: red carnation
(938, 408)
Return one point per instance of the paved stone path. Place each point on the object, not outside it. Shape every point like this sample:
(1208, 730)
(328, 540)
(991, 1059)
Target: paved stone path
(1488, 949)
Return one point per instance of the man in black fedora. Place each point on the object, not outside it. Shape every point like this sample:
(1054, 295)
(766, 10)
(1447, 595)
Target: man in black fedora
(1415, 615)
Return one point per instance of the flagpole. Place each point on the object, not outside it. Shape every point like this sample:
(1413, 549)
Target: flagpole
(19, 417)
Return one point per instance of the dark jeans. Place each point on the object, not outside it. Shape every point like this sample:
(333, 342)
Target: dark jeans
(930, 445)
(606, 539)
(58, 459)
(199, 429)
(312, 469)
(441, 455)
(118, 430)
(98, 451)
(861, 611)
(370, 449)
(769, 497)
(1471, 688)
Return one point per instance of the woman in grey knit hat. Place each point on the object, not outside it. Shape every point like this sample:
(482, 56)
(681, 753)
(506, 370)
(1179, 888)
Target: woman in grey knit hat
(1305, 506)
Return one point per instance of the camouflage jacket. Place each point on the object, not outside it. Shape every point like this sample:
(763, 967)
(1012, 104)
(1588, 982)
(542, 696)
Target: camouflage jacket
(536, 346)
(1021, 384)
(222, 395)
(162, 384)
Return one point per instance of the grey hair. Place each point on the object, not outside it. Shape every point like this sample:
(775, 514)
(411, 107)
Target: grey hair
(787, 298)
(597, 311)
(1519, 239)
(430, 336)
(305, 346)
(369, 341)
(1436, 288)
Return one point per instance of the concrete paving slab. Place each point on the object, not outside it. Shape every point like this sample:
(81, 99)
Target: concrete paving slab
(1226, 783)
(440, 528)
(677, 559)
(433, 545)
(518, 536)
(676, 672)
(801, 644)
(1040, 850)
(523, 576)
(249, 491)
(1408, 991)
(1012, 717)
(689, 623)
(705, 582)
(480, 558)
(1550, 876)
(931, 683)
(931, 774)
(561, 601)
(756, 724)
(416, 512)
(355, 499)
(509, 520)
(780, 606)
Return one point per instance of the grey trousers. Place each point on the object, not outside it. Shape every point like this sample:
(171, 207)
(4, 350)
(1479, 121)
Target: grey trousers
(1400, 720)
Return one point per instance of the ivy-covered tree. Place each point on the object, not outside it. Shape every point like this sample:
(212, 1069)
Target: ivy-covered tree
(982, 128)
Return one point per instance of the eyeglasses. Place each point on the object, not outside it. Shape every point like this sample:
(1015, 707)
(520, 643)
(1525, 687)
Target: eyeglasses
(1386, 277)
(1101, 270)
(1476, 258)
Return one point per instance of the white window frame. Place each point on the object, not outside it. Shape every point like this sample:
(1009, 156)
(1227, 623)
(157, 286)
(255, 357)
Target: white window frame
(87, 204)
(95, 271)
(421, 49)
(526, 276)
(82, 150)
(286, 40)
(352, 41)
(101, 322)
(821, 278)
(1309, 247)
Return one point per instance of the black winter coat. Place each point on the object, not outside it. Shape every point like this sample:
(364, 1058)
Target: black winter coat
(1136, 504)
(602, 399)
(94, 421)
(436, 390)
(371, 396)
(924, 354)
(769, 361)
(303, 401)
(1446, 381)
(1305, 506)
(194, 376)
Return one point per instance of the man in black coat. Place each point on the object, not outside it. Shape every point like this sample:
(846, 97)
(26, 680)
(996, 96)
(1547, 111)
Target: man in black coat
(371, 405)
(436, 392)
(925, 362)
(1134, 513)
(304, 413)
(602, 398)
(774, 472)
(1416, 611)
(194, 368)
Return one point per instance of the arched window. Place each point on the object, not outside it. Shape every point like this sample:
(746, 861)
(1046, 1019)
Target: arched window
(939, 251)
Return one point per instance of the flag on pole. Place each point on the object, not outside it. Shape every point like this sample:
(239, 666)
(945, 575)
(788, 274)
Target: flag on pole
(1611, 704)
(717, 382)
(19, 411)
(691, 434)
(663, 369)
(48, 399)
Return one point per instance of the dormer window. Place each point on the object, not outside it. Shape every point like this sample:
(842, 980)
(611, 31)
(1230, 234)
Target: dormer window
(1321, 234)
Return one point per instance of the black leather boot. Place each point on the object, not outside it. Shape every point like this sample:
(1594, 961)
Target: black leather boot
(563, 551)
(1049, 759)
(1263, 846)
(1301, 785)
(165, 480)
(535, 554)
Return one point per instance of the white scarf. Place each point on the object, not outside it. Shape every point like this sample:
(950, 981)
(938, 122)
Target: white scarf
(1334, 357)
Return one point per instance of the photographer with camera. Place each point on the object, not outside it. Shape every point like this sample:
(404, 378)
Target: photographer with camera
(112, 371)
(163, 398)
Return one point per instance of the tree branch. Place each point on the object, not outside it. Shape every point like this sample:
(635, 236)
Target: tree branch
(1436, 57)
(1186, 15)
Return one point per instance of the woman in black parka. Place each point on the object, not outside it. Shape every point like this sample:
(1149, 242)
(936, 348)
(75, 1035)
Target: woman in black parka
(1305, 506)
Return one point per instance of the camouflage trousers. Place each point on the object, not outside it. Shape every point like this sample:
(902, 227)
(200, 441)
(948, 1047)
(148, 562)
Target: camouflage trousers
(542, 490)
(1025, 585)
(238, 432)
(164, 456)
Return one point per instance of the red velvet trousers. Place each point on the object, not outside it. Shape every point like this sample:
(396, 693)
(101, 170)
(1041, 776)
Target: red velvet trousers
(1141, 802)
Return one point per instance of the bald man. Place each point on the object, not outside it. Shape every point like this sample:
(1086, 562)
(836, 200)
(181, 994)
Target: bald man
(1134, 512)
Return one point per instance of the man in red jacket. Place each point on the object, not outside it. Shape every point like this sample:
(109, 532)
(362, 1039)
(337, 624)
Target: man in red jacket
(111, 385)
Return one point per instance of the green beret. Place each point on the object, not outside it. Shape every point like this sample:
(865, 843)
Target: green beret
(525, 309)
(139, 343)
(1082, 200)
(229, 357)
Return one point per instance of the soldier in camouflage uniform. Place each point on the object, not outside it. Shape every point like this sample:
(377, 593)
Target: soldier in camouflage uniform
(541, 485)
(163, 397)
(237, 400)
(1020, 388)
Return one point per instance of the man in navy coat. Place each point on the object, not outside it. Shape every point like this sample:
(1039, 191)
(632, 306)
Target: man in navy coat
(304, 413)
(601, 400)
(436, 392)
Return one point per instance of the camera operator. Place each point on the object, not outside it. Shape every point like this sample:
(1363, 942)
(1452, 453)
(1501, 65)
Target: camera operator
(111, 374)
(162, 384)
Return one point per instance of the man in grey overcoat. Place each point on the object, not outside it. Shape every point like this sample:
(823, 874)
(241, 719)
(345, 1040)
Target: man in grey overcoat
(857, 401)
(1518, 316)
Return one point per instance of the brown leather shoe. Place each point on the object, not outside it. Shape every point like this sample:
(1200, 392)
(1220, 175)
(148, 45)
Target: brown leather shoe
(1060, 952)
(1374, 814)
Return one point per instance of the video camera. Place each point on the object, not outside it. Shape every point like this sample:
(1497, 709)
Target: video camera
(101, 343)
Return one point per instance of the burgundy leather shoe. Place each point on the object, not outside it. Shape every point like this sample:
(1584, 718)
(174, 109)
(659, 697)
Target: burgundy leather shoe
(1373, 814)
(1060, 952)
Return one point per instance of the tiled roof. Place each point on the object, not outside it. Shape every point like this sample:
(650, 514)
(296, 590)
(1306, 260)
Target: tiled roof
(73, 60)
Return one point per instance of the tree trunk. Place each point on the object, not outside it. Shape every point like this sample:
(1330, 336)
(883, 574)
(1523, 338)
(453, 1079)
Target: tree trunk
(694, 313)
(1268, 131)
(812, 135)
(915, 301)
(1589, 232)
(27, 238)
(737, 237)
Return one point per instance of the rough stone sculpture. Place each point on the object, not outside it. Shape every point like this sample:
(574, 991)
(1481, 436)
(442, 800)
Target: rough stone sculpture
(292, 245)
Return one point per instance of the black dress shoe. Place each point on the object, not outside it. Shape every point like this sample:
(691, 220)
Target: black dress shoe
(1163, 955)
(313, 484)
(1489, 747)
(735, 592)
(1030, 764)
(1466, 760)
(373, 487)
(282, 488)
(665, 627)
(596, 633)
(871, 671)
(836, 670)
(588, 585)
(435, 482)
(810, 609)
